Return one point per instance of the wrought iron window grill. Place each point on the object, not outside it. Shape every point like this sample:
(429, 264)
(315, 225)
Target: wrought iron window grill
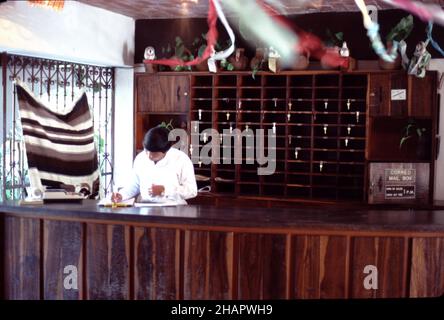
(59, 83)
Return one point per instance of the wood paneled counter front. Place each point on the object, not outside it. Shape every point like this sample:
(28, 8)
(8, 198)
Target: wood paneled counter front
(80, 251)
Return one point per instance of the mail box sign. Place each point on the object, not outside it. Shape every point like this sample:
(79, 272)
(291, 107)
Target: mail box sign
(400, 183)
(396, 182)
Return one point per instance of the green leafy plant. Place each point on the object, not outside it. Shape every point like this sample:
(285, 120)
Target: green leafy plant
(226, 65)
(200, 45)
(183, 53)
(410, 131)
(168, 125)
(402, 30)
(334, 39)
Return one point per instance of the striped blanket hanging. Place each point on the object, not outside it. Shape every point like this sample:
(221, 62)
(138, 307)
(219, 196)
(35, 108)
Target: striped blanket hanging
(60, 147)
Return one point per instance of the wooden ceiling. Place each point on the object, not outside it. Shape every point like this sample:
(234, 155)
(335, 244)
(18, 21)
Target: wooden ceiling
(168, 9)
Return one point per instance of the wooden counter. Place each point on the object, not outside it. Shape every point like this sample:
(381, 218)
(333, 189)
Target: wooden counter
(207, 252)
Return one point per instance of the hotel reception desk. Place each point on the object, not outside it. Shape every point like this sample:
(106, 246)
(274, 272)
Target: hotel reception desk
(80, 251)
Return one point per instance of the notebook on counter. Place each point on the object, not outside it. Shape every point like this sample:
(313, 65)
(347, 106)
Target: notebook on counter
(108, 203)
(159, 202)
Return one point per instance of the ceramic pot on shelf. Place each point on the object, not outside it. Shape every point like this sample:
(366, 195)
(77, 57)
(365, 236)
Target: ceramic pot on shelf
(239, 61)
(325, 59)
(387, 65)
(202, 66)
(302, 61)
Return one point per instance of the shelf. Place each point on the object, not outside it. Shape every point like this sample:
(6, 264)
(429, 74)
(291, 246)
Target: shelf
(264, 103)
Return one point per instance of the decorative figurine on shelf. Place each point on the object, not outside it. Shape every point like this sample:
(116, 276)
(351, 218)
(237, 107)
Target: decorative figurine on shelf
(420, 60)
(150, 54)
(345, 52)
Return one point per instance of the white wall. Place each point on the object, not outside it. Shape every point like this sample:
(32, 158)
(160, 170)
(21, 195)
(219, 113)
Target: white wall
(124, 125)
(78, 33)
(438, 64)
(85, 34)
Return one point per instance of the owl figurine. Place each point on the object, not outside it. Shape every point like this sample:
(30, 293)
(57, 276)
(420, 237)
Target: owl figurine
(150, 54)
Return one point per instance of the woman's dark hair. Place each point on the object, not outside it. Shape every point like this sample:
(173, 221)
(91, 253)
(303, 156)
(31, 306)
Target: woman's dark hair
(156, 140)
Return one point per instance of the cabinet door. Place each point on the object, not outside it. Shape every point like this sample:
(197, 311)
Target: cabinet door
(379, 100)
(398, 95)
(388, 94)
(162, 93)
(421, 95)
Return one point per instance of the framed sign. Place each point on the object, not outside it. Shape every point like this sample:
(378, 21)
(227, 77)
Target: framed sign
(396, 182)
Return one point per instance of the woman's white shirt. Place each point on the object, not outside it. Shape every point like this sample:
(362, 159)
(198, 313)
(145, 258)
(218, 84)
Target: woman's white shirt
(175, 172)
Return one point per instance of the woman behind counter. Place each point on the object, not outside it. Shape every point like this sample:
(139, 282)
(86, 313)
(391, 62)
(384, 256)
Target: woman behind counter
(160, 172)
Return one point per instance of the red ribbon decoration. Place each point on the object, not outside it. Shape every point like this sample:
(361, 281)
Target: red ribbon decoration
(211, 40)
(307, 41)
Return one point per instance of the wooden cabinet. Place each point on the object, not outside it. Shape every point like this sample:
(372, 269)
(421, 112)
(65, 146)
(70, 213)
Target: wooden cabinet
(320, 128)
(159, 98)
(159, 93)
(401, 106)
(400, 95)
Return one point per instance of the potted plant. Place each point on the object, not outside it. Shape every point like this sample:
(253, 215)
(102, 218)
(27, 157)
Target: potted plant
(180, 52)
(399, 32)
(200, 45)
(258, 61)
(417, 134)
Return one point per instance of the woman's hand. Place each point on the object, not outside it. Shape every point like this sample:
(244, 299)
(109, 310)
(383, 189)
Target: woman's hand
(116, 197)
(156, 190)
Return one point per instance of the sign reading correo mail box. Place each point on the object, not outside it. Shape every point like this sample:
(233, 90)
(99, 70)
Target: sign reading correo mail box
(399, 183)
